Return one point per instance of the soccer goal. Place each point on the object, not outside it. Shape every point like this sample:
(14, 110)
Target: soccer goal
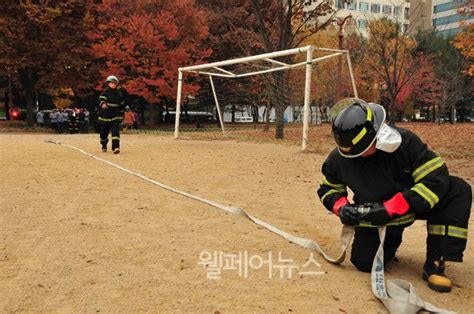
(291, 87)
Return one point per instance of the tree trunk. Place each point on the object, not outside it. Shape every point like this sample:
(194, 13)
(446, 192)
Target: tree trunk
(152, 115)
(279, 100)
(323, 113)
(391, 114)
(279, 128)
(266, 115)
(255, 116)
(9, 102)
(160, 115)
(7, 105)
(167, 109)
(26, 77)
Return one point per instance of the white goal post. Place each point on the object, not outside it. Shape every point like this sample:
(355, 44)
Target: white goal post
(217, 69)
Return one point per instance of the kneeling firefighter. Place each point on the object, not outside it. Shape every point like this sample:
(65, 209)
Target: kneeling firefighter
(396, 180)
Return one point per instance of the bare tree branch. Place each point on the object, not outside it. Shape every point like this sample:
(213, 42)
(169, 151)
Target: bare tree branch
(263, 31)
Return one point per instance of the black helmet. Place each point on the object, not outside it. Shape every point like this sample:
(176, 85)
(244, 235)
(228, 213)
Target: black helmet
(355, 125)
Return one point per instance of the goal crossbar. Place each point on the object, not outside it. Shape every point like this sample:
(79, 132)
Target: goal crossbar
(269, 55)
(284, 66)
(207, 69)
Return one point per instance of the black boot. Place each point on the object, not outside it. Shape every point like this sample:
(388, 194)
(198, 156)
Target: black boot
(433, 272)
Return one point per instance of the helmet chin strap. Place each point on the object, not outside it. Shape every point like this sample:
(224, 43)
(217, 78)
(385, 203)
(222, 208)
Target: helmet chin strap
(388, 139)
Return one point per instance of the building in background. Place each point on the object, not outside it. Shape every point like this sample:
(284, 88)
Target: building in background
(365, 10)
(420, 15)
(447, 15)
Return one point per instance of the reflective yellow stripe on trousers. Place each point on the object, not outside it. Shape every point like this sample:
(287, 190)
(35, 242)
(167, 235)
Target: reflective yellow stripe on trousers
(453, 231)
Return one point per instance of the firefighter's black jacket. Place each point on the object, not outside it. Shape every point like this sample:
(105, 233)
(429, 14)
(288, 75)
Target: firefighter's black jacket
(412, 169)
(115, 103)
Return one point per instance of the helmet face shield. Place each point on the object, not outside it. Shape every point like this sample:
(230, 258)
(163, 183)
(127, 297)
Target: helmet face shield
(355, 125)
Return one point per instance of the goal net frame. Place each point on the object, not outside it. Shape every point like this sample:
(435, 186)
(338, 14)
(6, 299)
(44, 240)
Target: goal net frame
(215, 69)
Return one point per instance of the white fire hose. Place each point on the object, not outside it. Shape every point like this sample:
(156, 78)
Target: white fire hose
(397, 295)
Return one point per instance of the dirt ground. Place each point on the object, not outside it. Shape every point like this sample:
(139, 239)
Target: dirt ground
(78, 235)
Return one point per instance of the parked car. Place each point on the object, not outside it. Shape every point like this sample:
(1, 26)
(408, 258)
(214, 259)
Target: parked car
(243, 119)
(191, 116)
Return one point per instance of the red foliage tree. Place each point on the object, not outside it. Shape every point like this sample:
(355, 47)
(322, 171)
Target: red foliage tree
(424, 89)
(233, 29)
(43, 46)
(145, 42)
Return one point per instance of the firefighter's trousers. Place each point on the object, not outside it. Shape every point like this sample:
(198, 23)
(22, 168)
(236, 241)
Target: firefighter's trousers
(110, 127)
(447, 224)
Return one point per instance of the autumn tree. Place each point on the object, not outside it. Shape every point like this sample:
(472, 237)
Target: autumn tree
(144, 43)
(388, 59)
(425, 89)
(449, 65)
(42, 44)
(284, 25)
(465, 43)
(62, 97)
(327, 82)
(233, 29)
(233, 33)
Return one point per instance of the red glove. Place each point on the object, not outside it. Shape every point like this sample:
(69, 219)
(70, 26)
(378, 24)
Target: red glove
(397, 205)
(338, 204)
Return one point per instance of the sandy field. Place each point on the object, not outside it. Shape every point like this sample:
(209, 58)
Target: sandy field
(77, 235)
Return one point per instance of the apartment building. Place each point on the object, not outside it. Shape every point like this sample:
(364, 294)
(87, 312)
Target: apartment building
(366, 10)
(420, 15)
(447, 15)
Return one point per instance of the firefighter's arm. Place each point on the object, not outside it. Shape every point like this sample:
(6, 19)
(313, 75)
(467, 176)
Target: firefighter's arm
(430, 176)
(122, 108)
(431, 182)
(103, 102)
(332, 192)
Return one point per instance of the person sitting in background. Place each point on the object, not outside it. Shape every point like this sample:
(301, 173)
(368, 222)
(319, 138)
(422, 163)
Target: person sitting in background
(128, 118)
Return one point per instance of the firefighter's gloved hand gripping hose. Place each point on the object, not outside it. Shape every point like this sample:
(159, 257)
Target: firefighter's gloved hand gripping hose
(398, 296)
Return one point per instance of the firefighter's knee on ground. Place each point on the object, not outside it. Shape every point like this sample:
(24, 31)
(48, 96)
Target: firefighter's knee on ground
(362, 263)
(464, 188)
